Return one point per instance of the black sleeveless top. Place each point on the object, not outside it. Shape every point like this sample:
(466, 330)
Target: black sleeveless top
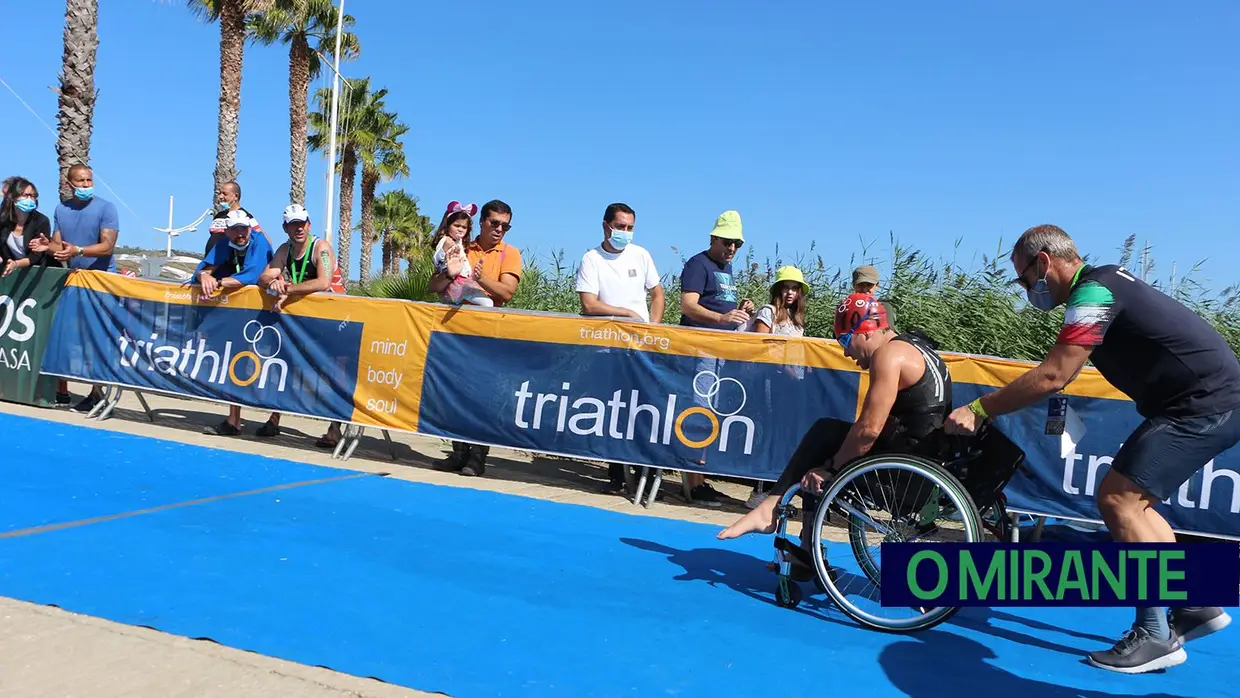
(921, 408)
(305, 265)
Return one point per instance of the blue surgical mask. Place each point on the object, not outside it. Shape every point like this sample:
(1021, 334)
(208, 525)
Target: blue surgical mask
(235, 246)
(1040, 296)
(221, 205)
(620, 239)
(84, 193)
(25, 205)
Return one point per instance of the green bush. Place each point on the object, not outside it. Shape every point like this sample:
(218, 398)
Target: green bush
(968, 309)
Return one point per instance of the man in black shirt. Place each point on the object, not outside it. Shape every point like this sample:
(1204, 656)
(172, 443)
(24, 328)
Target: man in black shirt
(1183, 378)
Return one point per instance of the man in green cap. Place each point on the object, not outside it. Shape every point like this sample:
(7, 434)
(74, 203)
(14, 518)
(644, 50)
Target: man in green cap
(708, 299)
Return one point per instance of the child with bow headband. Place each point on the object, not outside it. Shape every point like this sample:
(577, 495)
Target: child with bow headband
(450, 240)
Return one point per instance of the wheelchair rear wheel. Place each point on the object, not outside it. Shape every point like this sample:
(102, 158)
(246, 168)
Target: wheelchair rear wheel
(880, 484)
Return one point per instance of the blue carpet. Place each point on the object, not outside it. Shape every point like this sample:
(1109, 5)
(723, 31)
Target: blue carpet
(472, 593)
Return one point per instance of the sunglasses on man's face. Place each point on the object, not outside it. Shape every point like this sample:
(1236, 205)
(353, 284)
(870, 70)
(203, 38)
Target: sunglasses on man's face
(728, 243)
(496, 223)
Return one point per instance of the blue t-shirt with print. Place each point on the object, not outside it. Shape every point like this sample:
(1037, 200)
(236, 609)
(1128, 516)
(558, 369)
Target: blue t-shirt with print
(713, 282)
(79, 223)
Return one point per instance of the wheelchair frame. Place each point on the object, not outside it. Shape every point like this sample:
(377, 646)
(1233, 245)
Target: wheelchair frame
(999, 460)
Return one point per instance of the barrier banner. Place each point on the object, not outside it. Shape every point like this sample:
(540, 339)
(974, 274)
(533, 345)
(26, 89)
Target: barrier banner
(167, 339)
(1066, 486)
(722, 403)
(27, 305)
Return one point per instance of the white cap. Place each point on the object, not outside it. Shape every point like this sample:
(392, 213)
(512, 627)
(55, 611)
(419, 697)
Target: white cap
(238, 218)
(295, 212)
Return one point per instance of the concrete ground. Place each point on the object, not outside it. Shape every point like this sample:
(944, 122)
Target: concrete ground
(46, 652)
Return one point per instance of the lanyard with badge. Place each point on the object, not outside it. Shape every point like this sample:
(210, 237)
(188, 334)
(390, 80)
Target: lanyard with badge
(299, 275)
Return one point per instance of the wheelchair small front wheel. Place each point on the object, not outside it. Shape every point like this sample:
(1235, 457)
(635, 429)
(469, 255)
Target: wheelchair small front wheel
(787, 593)
(864, 491)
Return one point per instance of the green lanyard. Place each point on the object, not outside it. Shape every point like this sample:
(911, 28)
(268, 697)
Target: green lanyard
(299, 276)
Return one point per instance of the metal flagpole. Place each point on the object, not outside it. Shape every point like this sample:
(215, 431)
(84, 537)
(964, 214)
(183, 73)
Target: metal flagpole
(328, 227)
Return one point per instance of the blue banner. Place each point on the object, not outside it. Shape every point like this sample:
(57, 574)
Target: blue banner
(239, 355)
(726, 417)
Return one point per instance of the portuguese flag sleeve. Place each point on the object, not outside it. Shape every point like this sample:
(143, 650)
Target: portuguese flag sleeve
(1091, 307)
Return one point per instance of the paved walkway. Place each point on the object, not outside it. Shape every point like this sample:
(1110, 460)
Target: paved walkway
(47, 652)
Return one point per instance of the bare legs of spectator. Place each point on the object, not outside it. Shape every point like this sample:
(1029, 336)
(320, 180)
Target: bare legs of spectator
(64, 398)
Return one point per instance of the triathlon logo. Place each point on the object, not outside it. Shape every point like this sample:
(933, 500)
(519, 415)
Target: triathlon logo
(625, 415)
(260, 365)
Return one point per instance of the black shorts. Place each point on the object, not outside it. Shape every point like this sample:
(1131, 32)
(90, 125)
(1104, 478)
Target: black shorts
(1164, 452)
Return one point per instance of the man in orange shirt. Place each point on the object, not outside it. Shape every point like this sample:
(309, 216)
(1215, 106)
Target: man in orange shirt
(497, 269)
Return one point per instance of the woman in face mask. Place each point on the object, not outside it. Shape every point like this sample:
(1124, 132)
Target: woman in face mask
(21, 222)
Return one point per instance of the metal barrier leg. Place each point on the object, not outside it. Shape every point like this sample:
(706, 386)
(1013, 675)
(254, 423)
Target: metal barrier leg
(1015, 519)
(142, 399)
(357, 439)
(641, 484)
(654, 487)
(103, 409)
(391, 444)
(344, 440)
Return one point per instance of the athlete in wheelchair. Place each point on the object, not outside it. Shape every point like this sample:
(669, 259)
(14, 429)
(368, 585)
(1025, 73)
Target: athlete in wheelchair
(892, 476)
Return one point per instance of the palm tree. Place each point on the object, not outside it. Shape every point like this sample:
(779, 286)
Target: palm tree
(405, 231)
(353, 124)
(77, 88)
(298, 24)
(231, 14)
(383, 159)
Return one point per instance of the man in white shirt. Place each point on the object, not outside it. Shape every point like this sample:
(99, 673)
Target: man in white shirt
(613, 280)
(614, 277)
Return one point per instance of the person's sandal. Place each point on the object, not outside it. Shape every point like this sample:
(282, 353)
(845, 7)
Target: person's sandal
(268, 430)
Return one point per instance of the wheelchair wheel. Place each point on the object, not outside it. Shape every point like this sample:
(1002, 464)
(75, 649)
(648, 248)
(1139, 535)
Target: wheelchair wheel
(865, 489)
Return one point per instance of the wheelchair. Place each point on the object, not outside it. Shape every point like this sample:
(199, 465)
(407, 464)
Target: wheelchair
(960, 495)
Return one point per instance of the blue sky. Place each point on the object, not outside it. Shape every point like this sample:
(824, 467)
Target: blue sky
(824, 123)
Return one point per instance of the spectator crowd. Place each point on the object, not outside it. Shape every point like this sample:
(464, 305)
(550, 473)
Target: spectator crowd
(615, 278)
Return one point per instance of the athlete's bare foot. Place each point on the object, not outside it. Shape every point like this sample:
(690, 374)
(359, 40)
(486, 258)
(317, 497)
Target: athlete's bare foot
(760, 519)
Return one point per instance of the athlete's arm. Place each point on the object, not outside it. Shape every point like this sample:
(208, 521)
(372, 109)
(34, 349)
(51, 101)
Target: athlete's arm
(274, 269)
(1060, 367)
(884, 386)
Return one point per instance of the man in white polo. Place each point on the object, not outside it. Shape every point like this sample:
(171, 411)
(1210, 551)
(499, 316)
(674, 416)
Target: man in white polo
(613, 280)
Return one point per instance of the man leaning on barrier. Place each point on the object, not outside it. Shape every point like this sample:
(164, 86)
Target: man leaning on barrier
(236, 261)
(303, 265)
(1183, 378)
(909, 397)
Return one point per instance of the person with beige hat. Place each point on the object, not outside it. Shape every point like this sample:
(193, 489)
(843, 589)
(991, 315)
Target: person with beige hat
(865, 279)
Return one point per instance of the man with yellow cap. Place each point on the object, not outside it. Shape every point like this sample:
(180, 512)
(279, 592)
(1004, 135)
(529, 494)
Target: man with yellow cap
(707, 291)
(708, 299)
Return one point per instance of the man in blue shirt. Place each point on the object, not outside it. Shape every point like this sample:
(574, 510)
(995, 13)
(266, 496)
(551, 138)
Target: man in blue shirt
(707, 291)
(84, 228)
(708, 298)
(84, 232)
(237, 260)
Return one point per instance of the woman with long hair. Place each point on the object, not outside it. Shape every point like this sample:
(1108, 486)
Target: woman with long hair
(20, 223)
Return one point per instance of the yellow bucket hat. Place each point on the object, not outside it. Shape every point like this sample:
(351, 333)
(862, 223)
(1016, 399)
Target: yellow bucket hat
(790, 273)
(728, 226)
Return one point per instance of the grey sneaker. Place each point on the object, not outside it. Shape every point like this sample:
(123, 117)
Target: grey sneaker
(1195, 623)
(1137, 652)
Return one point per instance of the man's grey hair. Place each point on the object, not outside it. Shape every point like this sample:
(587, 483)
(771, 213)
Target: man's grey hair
(1050, 239)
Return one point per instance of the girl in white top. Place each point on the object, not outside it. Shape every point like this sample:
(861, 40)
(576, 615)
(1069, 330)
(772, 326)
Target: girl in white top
(785, 314)
(450, 258)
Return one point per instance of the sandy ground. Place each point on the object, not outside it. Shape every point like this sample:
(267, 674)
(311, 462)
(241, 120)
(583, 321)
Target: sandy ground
(46, 652)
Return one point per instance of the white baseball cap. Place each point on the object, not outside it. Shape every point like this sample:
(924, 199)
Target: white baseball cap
(296, 212)
(238, 218)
